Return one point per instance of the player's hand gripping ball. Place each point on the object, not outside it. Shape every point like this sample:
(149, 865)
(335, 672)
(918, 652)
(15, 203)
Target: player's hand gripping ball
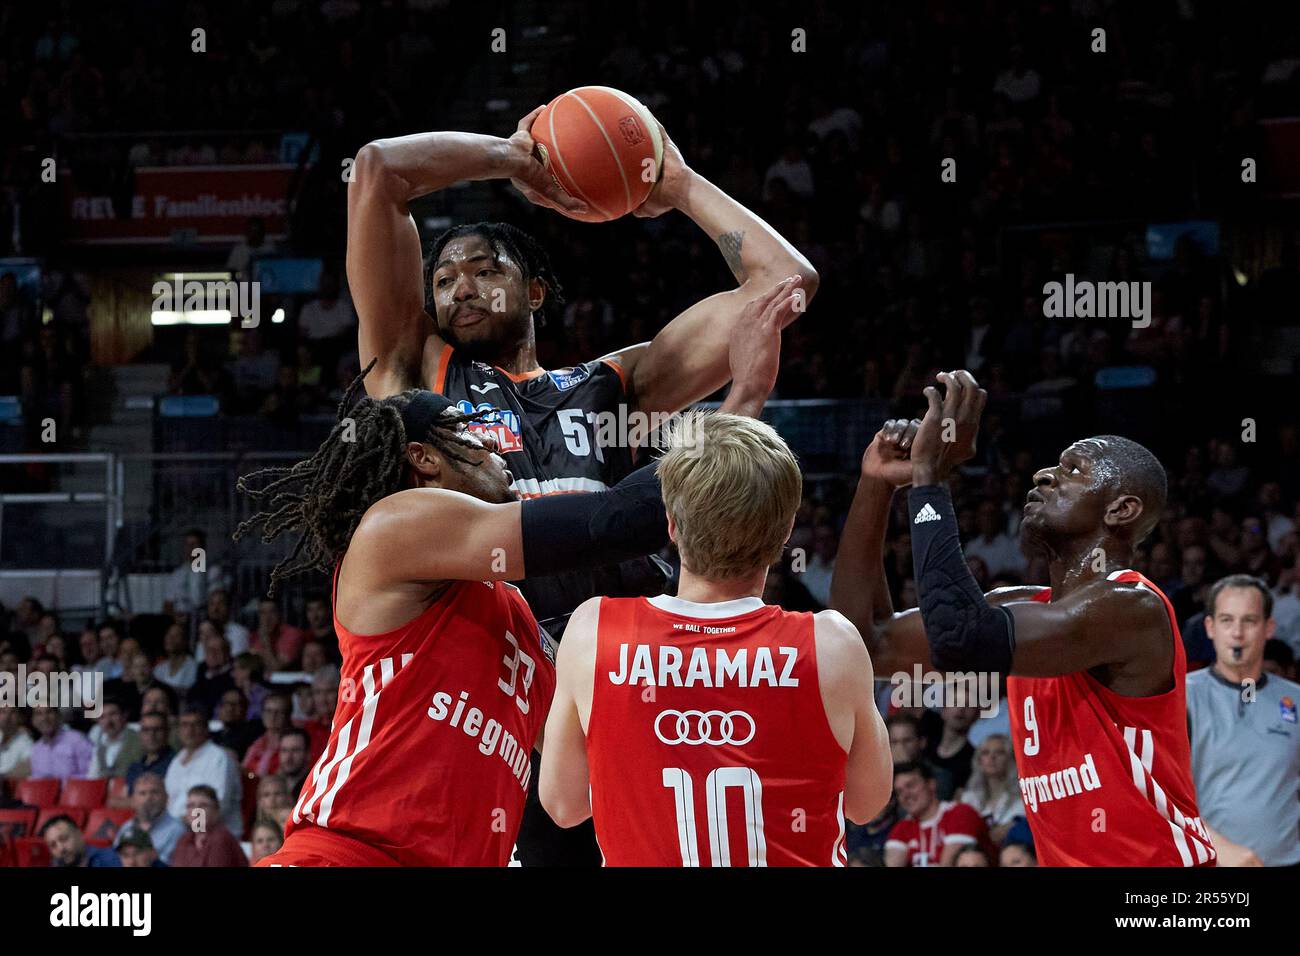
(603, 147)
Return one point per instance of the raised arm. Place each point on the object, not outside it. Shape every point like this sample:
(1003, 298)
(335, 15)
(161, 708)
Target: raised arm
(384, 258)
(755, 358)
(1102, 624)
(859, 588)
(687, 360)
(555, 533)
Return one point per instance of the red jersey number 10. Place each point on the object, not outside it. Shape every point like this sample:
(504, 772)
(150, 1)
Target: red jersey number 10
(715, 786)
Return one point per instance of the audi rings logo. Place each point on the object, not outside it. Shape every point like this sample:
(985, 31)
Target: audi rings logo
(695, 727)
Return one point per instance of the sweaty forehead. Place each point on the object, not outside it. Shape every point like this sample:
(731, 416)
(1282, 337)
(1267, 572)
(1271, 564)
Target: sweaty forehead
(1089, 449)
(1102, 469)
(472, 248)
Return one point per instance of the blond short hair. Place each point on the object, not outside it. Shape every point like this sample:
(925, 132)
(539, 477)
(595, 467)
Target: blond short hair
(731, 485)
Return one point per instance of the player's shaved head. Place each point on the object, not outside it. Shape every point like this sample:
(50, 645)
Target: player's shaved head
(1107, 483)
(1137, 472)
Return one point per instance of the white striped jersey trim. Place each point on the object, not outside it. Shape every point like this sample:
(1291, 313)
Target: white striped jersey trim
(532, 488)
(318, 792)
(839, 853)
(1141, 752)
(715, 610)
(1139, 583)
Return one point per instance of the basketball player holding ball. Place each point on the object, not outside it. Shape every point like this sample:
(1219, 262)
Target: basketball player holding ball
(485, 283)
(1096, 666)
(428, 762)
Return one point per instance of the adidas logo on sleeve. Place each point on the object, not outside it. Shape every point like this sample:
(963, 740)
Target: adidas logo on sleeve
(927, 513)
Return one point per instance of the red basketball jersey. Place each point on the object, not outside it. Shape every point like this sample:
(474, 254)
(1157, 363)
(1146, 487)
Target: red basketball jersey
(429, 754)
(953, 822)
(708, 742)
(1107, 779)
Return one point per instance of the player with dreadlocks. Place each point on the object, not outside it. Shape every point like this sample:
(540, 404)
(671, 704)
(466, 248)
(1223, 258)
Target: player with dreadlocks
(464, 326)
(447, 676)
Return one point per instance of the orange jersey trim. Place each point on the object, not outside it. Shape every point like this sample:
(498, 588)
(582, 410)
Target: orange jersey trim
(440, 377)
(525, 377)
(622, 373)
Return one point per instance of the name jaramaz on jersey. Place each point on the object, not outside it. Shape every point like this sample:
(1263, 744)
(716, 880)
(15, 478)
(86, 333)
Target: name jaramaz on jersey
(639, 665)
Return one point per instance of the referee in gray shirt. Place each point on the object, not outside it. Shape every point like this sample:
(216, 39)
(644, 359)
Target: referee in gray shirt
(1245, 738)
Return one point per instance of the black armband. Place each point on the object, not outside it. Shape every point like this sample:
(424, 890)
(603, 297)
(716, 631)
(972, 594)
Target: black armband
(580, 531)
(965, 632)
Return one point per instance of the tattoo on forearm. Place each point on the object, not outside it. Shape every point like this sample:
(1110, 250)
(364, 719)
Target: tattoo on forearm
(729, 243)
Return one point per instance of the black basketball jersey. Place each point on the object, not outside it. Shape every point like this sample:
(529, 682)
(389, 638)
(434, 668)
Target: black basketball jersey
(548, 427)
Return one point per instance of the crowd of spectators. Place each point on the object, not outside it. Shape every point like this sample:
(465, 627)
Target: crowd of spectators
(841, 148)
(207, 741)
(275, 373)
(847, 166)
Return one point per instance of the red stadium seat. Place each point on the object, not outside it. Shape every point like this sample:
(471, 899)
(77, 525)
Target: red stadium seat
(104, 822)
(96, 842)
(38, 793)
(17, 823)
(78, 815)
(84, 793)
(117, 788)
(31, 851)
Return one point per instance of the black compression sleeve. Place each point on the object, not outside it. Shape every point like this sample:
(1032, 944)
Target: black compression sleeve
(572, 532)
(965, 632)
